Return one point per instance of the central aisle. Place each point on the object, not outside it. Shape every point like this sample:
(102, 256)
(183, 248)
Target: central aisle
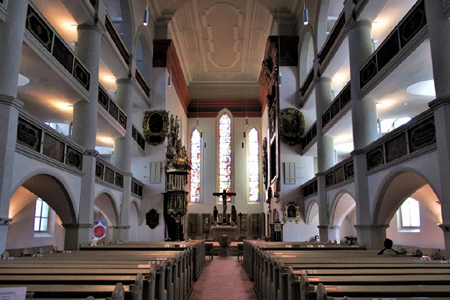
(223, 278)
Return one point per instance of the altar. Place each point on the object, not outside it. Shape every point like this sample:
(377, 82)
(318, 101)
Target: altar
(219, 231)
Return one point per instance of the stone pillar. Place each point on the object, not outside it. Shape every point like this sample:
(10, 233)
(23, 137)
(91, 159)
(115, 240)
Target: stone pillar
(364, 118)
(84, 133)
(11, 35)
(122, 156)
(374, 235)
(325, 155)
(439, 30)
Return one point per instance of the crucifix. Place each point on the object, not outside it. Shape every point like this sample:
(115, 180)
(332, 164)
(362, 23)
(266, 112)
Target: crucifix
(224, 196)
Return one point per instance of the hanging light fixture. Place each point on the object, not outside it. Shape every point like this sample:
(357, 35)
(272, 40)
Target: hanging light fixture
(145, 18)
(305, 15)
(279, 45)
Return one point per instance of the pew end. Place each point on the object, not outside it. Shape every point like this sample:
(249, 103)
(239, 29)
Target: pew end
(322, 293)
(306, 290)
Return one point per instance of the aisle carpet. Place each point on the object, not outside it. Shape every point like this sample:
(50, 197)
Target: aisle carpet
(223, 278)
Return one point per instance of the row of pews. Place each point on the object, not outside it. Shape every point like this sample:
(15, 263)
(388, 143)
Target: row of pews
(322, 271)
(130, 270)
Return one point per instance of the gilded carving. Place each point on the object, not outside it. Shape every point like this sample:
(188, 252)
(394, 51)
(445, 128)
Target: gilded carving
(156, 126)
(291, 126)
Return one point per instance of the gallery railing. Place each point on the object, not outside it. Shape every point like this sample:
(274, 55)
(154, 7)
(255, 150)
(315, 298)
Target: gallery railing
(308, 138)
(341, 172)
(111, 107)
(49, 39)
(138, 137)
(340, 102)
(310, 187)
(117, 40)
(338, 28)
(416, 136)
(108, 173)
(47, 141)
(414, 21)
(142, 83)
(137, 187)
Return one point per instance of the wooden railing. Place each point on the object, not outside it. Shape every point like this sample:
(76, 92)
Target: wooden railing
(417, 134)
(309, 188)
(332, 37)
(115, 36)
(138, 137)
(47, 36)
(47, 141)
(137, 187)
(340, 172)
(402, 34)
(309, 136)
(307, 82)
(108, 173)
(111, 107)
(143, 84)
(341, 101)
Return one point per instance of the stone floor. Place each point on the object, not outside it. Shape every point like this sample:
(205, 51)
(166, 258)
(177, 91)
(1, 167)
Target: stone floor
(223, 278)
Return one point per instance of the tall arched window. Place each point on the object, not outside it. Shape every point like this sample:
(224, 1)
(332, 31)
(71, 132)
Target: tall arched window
(253, 165)
(225, 153)
(196, 154)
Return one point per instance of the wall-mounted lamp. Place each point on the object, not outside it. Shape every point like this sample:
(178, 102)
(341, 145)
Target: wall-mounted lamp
(279, 80)
(305, 15)
(169, 81)
(145, 18)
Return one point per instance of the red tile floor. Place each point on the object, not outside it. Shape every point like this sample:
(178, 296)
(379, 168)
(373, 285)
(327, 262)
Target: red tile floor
(223, 278)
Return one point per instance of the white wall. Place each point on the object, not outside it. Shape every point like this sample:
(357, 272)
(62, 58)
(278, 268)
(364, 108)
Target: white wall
(21, 230)
(430, 235)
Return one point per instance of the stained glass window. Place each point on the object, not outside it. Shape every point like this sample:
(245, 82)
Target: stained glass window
(196, 153)
(253, 165)
(225, 154)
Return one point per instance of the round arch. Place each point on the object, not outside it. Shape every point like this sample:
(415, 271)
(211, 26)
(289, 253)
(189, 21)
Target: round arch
(312, 212)
(143, 54)
(322, 22)
(398, 186)
(104, 202)
(48, 186)
(307, 54)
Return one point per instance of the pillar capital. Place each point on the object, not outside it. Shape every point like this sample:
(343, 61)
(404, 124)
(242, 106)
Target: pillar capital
(11, 101)
(87, 26)
(439, 102)
(360, 23)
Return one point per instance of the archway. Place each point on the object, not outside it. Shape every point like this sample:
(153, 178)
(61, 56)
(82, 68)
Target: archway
(105, 210)
(397, 189)
(135, 222)
(306, 58)
(21, 233)
(343, 215)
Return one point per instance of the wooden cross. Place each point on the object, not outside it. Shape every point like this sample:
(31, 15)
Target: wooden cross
(224, 196)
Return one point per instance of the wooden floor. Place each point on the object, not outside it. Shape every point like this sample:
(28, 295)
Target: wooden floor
(223, 278)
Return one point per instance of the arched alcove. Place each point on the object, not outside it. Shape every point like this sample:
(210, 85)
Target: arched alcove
(343, 214)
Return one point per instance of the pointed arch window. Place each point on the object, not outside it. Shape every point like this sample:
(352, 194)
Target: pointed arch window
(225, 154)
(253, 165)
(196, 155)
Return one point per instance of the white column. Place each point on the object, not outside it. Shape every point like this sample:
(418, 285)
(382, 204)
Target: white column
(11, 37)
(325, 155)
(439, 31)
(84, 133)
(122, 156)
(364, 119)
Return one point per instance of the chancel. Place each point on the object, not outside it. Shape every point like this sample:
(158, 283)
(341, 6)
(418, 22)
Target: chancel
(121, 129)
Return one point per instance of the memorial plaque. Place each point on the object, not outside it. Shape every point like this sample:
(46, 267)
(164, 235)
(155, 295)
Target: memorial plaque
(375, 158)
(99, 170)
(388, 50)
(29, 135)
(349, 171)
(206, 221)
(329, 179)
(368, 71)
(39, 29)
(109, 175)
(339, 175)
(412, 24)
(396, 148)
(53, 148)
(74, 158)
(81, 74)
(422, 135)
